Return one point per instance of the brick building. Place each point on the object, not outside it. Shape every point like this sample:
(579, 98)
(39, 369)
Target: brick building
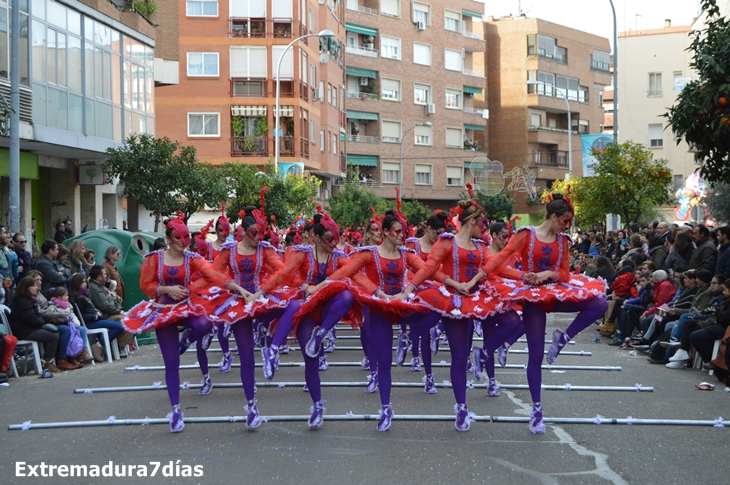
(411, 64)
(217, 88)
(528, 123)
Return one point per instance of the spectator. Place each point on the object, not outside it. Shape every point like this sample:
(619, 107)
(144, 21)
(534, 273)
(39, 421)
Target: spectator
(662, 230)
(611, 244)
(112, 255)
(632, 308)
(75, 260)
(597, 246)
(27, 323)
(705, 254)
(159, 243)
(686, 292)
(585, 244)
(648, 267)
(681, 253)
(25, 259)
(723, 261)
(67, 359)
(50, 268)
(7, 348)
(109, 306)
(68, 228)
(90, 258)
(657, 252)
(62, 258)
(634, 247)
(60, 233)
(35, 251)
(605, 269)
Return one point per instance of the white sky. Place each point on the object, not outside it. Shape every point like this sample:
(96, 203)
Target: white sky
(595, 16)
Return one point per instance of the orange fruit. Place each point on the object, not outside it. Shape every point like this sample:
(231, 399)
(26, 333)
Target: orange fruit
(722, 100)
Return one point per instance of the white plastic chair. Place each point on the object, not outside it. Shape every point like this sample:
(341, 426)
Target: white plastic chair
(715, 351)
(37, 348)
(100, 331)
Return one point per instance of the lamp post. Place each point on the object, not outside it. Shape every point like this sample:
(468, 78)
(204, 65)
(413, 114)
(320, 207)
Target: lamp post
(570, 123)
(400, 164)
(615, 76)
(324, 33)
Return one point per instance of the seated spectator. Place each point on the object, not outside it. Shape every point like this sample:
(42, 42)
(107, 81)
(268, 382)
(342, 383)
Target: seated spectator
(25, 260)
(605, 269)
(50, 268)
(634, 247)
(7, 347)
(705, 256)
(632, 308)
(703, 339)
(109, 306)
(680, 253)
(90, 258)
(60, 232)
(79, 294)
(623, 288)
(75, 260)
(47, 314)
(58, 303)
(723, 261)
(597, 246)
(27, 324)
(648, 267)
(686, 291)
(657, 252)
(111, 257)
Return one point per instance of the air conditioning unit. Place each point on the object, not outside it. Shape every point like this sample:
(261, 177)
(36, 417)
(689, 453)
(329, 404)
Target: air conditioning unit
(321, 2)
(421, 25)
(430, 109)
(369, 46)
(319, 94)
(364, 81)
(485, 114)
(368, 38)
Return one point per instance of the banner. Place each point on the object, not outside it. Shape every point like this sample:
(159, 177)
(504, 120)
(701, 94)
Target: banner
(591, 142)
(294, 168)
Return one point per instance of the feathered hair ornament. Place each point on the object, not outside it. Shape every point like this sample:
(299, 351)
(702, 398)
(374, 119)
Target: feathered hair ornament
(223, 221)
(329, 224)
(399, 212)
(375, 220)
(200, 239)
(469, 189)
(511, 226)
(179, 228)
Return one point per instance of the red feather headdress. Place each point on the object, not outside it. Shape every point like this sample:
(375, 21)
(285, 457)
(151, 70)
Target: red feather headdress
(179, 228)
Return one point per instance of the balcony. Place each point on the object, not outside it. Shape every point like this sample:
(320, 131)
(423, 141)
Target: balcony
(304, 148)
(354, 6)
(362, 51)
(473, 111)
(600, 66)
(364, 139)
(546, 135)
(364, 96)
(372, 182)
(550, 159)
(247, 88)
(250, 146)
(470, 72)
(303, 91)
(471, 35)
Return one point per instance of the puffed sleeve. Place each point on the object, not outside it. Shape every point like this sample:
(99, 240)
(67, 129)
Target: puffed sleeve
(564, 269)
(507, 272)
(415, 264)
(294, 261)
(148, 281)
(222, 262)
(440, 251)
(497, 263)
(353, 270)
(272, 261)
(209, 275)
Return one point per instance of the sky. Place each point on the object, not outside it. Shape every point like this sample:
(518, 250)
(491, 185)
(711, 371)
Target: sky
(595, 16)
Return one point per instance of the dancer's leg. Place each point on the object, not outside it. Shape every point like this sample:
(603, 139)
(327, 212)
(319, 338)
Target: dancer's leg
(223, 340)
(421, 324)
(535, 320)
(589, 311)
(381, 331)
(243, 333)
(167, 338)
(311, 371)
(457, 332)
(284, 325)
(202, 356)
(335, 309)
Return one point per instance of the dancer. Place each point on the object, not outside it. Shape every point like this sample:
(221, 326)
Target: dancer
(546, 286)
(373, 237)
(323, 306)
(461, 256)
(166, 277)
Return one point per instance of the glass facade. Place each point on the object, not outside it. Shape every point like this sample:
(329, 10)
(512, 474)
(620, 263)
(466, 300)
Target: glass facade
(87, 77)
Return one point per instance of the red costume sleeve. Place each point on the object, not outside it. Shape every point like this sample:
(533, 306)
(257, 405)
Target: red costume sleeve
(288, 271)
(222, 262)
(415, 264)
(498, 262)
(272, 261)
(440, 251)
(148, 281)
(508, 272)
(209, 275)
(564, 268)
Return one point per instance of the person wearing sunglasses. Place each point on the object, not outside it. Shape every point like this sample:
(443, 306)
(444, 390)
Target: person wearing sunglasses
(25, 260)
(546, 286)
(461, 257)
(322, 305)
(167, 278)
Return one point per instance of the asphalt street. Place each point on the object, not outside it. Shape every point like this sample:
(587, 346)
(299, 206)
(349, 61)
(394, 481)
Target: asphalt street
(353, 451)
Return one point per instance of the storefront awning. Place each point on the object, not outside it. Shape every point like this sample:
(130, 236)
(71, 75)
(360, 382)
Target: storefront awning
(473, 90)
(467, 126)
(356, 71)
(248, 110)
(361, 115)
(360, 29)
(473, 15)
(363, 160)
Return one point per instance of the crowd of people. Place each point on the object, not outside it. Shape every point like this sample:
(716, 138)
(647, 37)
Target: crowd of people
(669, 291)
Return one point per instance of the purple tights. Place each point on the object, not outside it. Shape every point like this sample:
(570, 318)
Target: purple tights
(223, 341)
(243, 333)
(535, 319)
(284, 326)
(367, 340)
(168, 338)
(497, 331)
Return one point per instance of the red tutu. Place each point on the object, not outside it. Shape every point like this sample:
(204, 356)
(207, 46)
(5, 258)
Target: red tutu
(391, 310)
(579, 288)
(312, 306)
(149, 315)
(222, 306)
(478, 305)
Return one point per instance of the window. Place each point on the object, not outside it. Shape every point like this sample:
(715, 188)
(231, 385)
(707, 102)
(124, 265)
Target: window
(453, 99)
(248, 62)
(390, 173)
(247, 9)
(311, 130)
(567, 85)
(203, 124)
(390, 89)
(545, 85)
(390, 132)
(204, 8)
(287, 64)
(423, 174)
(678, 84)
(311, 20)
(655, 84)
(390, 8)
(321, 140)
(421, 54)
(423, 135)
(422, 13)
(536, 120)
(601, 61)
(202, 63)
(421, 93)
(454, 176)
(583, 127)
(334, 145)
(390, 47)
(454, 138)
(329, 93)
(452, 20)
(452, 60)
(583, 94)
(677, 182)
(655, 135)
(547, 47)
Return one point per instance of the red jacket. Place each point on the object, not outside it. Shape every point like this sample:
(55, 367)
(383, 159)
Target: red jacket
(664, 291)
(625, 285)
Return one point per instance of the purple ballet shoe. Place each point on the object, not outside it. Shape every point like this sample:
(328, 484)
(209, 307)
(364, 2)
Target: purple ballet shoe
(207, 386)
(430, 384)
(252, 419)
(537, 425)
(404, 344)
(226, 362)
(305, 388)
(268, 356)
(478, 327)
(373, 384)
(470, 365)
(463, 418)
(323, 364)
(176, 420)
(560, 340)
(315, 342)
(435, 334)
(502, 352)
(330, 347)
(365, 364)
(446, 341)
(416, 364)
(185, 341)
(492, 388)
(284, 349)
(226, 330)
(317, 410)
(207, 339)
(480, 362)
(386, 416)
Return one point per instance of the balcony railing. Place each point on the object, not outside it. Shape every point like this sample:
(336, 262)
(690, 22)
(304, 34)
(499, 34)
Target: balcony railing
(361, 51)
(549, 128)
(303, 91)
(365, 96)
(259, 28)
(363, 139)
(561, 58)
(304, 148)
(343, 119)
(241, 88)
(654, 93)
(550, 159)
(470, 72)
(249, 146)
(473, 111)
(471, 35)
(600, 66)
(370, 183)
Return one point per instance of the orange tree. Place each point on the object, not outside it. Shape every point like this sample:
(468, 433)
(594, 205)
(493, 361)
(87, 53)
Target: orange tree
(701, 115)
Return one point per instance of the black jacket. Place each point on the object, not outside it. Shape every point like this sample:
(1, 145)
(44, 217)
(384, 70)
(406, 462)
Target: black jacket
(25, 317)
(87, 309)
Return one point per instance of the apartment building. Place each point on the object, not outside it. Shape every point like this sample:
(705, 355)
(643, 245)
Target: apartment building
(415, 82)
(226, 53)
(537, 73)
(86, 78)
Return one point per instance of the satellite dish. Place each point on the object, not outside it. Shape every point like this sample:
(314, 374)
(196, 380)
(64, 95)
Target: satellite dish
(488, 175)
(323, 58)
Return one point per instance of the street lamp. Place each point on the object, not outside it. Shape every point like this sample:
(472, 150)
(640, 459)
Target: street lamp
(400, 164)
(324, 33)
(570, 123)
